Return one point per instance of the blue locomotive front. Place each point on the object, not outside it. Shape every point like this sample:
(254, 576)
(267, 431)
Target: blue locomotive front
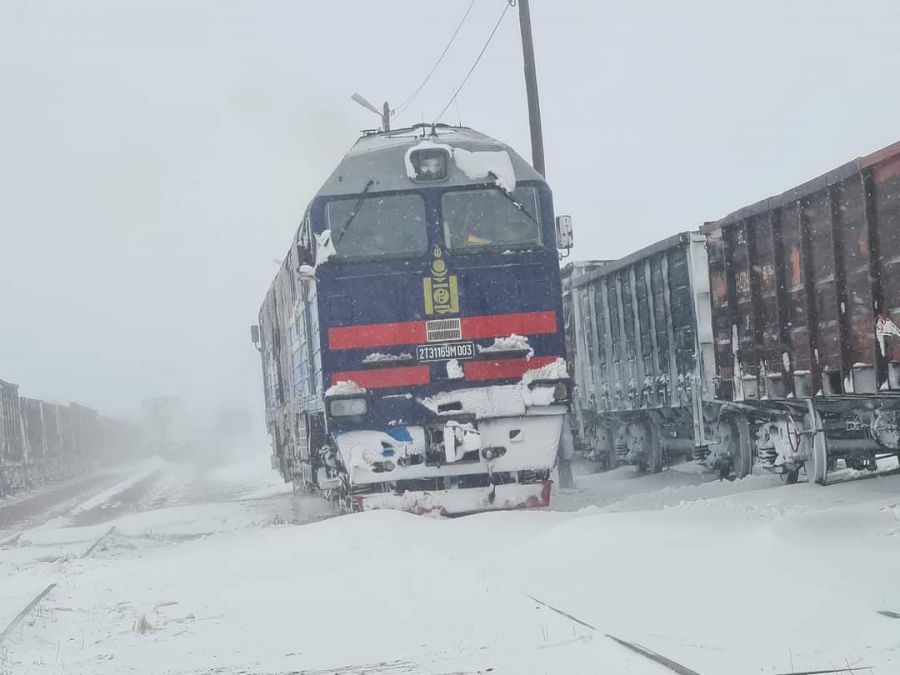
(423, 328)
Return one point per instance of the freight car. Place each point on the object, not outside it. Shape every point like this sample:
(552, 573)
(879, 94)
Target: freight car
(165, 422)
(13, 457)
(767, 336)
(42, 441)
(568, 275)
(412, 341)
(36, 441)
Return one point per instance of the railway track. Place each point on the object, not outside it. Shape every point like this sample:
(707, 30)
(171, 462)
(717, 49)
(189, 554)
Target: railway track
(33, 508)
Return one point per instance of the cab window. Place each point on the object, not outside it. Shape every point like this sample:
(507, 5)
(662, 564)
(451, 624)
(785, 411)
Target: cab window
(378, 226)
(490, 217)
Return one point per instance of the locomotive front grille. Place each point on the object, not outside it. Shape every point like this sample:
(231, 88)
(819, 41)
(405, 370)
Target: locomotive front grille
(438, 330)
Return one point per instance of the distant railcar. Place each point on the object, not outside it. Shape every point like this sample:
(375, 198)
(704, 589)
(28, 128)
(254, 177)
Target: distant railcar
(42, 441)
(56, 457)
(35, 430)
(412, 341)
(13, 455)
(87, 436)
(166, 426)
(769, 336)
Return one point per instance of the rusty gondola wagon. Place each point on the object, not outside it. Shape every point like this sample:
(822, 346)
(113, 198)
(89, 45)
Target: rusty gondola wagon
(767, 338)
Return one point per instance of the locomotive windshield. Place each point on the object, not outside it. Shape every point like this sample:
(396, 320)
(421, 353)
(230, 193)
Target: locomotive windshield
(490, 217)
(378, 225)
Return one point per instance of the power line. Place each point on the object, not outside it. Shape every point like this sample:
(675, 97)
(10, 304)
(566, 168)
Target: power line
(462, 84)
(406, 103)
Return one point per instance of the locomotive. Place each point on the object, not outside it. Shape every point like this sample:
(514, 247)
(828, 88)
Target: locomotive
(412, 341)
(765, 339)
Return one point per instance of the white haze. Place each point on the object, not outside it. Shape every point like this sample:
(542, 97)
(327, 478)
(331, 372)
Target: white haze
(155, 157)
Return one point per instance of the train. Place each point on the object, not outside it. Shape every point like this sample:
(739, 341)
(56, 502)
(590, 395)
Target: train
(412, 342)
(765, 340)
(42, 441)
(165, 425)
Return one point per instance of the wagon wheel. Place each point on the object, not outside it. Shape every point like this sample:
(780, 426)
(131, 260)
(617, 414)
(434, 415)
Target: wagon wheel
(608, 437)
(645, 442)
(815, 447)
(734, 440)
(656, 448)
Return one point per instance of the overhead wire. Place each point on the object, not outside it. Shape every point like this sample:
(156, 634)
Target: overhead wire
(462, 84)
(412, 97)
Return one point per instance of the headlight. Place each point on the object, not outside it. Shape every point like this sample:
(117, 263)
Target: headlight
(430, 164)
(348, 407)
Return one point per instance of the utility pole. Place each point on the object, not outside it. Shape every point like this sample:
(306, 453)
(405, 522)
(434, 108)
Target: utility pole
(534, 106)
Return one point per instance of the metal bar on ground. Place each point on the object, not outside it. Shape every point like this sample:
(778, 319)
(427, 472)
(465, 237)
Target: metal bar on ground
(96, 543)
(562, 613)
(643, 651)
(12, 540)
(21, 615)
(653, 656)
(825, 672)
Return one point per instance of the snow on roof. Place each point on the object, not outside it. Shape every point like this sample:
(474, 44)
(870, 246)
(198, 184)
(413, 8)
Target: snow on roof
(382, 158)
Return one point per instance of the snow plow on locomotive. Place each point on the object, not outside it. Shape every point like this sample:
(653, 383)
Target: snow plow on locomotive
(767, 339)
(412, 342)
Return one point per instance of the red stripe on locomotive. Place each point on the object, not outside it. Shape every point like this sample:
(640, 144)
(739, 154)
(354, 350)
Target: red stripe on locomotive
(383, 378)
(413, 332)
(501, 325)
(376, 335)
(499, 369)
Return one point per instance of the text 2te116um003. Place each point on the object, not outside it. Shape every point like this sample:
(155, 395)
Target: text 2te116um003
(412, 342)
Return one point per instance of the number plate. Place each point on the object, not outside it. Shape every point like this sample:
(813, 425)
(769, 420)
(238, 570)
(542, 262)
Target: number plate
(445, 351)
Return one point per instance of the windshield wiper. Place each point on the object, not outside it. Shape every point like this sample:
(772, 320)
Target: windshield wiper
(506, 193)
(355, 210)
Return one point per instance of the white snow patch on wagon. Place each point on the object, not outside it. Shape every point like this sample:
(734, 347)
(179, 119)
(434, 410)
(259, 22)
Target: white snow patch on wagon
(454, 370)
(361, 448)
(325, 248)
(378, 357)
(478, 165)
(512, 343)
(552, 371)
(344, 388)
(483, 402)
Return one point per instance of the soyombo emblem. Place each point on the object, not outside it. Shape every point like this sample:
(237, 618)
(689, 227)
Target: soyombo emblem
(441, 290)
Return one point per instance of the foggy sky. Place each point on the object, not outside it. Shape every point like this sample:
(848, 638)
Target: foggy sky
(156, 156)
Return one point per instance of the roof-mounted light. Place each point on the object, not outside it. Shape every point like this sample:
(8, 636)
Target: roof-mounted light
(429, 164)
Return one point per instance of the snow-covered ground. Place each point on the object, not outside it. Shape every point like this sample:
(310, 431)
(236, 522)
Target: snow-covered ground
(744, 577)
